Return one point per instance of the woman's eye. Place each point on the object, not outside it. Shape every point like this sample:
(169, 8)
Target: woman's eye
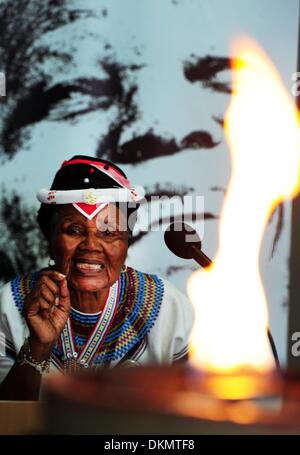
(74, 230)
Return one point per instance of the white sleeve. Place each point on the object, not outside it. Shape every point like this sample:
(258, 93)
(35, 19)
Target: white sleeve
(169, 338)
(13, 331)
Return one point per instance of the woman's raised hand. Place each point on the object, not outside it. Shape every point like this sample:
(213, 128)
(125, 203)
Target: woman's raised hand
(47, 308)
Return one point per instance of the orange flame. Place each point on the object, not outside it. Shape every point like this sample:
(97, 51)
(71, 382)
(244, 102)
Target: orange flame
(262, 130)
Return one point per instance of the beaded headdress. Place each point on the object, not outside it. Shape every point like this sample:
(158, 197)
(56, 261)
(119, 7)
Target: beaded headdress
(89, 184)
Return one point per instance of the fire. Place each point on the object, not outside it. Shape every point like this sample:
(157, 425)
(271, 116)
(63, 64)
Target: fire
(262, 130)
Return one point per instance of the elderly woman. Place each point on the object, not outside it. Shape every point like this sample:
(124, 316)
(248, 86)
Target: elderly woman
(87, 309)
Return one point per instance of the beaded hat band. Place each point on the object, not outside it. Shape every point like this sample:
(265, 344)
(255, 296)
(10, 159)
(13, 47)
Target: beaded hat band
(91, 196)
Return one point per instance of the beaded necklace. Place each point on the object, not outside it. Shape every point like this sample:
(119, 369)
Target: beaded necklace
(130, 312)
(74, 361)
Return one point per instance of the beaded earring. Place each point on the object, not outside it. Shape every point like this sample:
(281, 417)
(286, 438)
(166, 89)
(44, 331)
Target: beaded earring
(124, 268)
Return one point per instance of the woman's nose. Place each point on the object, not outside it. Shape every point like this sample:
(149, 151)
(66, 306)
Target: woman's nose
(92, 241)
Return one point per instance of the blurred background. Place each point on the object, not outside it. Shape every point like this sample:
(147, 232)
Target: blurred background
(144, 84)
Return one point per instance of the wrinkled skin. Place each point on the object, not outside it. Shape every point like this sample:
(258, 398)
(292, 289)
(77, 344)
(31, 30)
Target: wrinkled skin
(97, 241)
(88, 256)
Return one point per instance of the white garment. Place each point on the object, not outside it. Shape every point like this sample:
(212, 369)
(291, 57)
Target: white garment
(165, 342)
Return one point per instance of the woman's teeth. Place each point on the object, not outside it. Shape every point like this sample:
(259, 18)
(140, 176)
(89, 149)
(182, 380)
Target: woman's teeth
(89, 267)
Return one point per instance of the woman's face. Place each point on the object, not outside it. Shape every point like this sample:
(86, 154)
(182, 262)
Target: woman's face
(89, 252)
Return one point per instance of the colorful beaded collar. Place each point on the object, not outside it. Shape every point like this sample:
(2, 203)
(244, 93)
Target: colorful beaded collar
(126, 319)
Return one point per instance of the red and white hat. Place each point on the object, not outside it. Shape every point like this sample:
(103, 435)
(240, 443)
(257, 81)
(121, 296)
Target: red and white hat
(90, 184)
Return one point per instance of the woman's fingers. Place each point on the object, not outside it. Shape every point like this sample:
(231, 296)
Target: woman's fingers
(47, 307)
(49, 293)
(49, 282)
(52, 277)
(38, 304)
(47, 290)
(63, 300)
(44, 305)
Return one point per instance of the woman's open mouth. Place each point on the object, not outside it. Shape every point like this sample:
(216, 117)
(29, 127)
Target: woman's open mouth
(89, 266)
